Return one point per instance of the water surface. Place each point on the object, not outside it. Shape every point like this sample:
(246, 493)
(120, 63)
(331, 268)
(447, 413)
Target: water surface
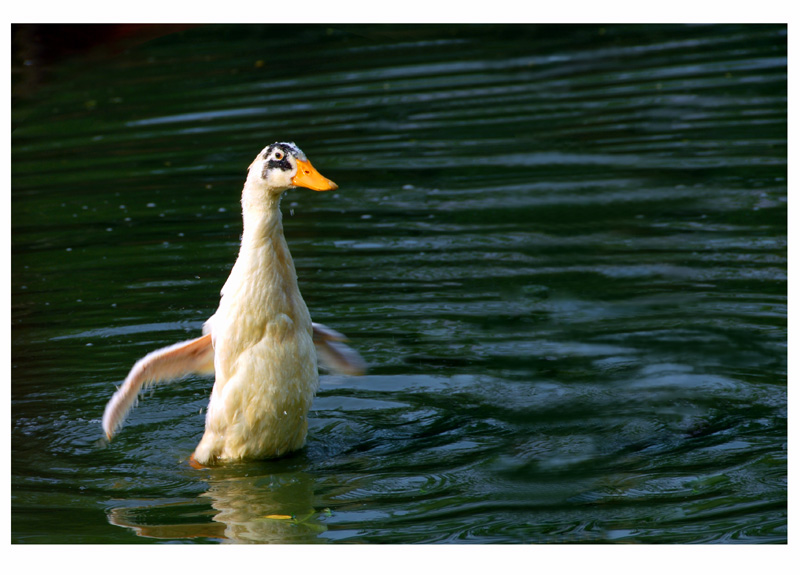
(562, 251)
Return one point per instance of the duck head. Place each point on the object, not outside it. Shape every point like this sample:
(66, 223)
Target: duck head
(281, 166)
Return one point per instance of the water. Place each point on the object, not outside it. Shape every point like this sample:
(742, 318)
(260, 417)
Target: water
(562, 251)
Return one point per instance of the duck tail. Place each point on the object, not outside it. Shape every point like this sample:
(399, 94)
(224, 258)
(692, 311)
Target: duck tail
(165, 364)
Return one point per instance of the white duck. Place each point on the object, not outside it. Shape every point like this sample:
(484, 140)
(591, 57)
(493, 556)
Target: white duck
(260, 343)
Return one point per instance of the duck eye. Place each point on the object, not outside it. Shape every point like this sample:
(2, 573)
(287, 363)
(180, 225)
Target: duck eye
(278, 155)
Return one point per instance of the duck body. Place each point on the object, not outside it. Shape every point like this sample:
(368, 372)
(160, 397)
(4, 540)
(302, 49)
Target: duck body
(260, 344)
(264, 356)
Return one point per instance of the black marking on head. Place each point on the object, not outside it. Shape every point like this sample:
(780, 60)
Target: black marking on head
(277, 156)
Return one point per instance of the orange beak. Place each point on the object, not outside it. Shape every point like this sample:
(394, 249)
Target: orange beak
(308, 177)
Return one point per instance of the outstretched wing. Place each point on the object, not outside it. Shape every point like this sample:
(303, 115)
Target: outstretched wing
(335, 355)
(197, 356)
(165, 364)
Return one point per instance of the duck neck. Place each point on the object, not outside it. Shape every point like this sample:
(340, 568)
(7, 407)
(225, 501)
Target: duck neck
(263, 223)
(263, 279)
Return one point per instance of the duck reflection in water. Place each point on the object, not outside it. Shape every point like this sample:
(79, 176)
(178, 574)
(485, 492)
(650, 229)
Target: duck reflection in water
(271, 508)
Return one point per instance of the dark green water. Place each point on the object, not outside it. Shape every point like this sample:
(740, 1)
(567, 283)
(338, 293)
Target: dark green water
(562, 251)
